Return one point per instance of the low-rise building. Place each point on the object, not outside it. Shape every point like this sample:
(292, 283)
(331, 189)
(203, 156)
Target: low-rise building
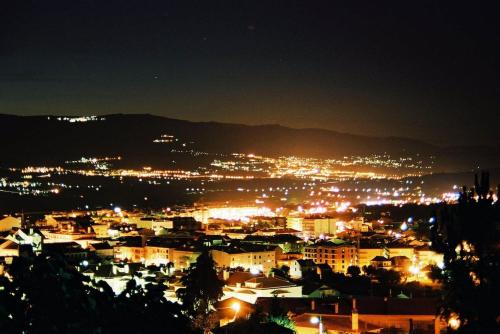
(401, 250)
(295, 223)
(300, 268)
(246, 256)
(367, 252)
(102, 250)
(130, 250)
(72, 251)
(183, 257)
(286, 259)
(157, 252)
(248, 287)
(287, 242)
(362, 315)
(116, 275)
(338, 254)
(381, 262)
(8, 248)
(31, 237)
(8, 223)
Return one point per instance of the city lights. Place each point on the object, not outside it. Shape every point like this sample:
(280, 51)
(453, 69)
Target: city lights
(264, 167)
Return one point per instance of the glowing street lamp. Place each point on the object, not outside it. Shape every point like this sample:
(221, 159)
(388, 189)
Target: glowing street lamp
(317, 321)
(454, 322)
(236, 306)
(414, 270)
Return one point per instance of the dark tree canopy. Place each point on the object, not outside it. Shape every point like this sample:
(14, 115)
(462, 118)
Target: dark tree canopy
(353, 271)
(202, 289)
(44, 294)
(467, 234)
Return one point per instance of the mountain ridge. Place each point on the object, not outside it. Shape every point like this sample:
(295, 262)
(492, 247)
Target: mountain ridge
(265, 125)
(36, 139)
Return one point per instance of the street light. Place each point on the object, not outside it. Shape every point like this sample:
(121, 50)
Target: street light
(454, 322)
(317, 321)
(236, 306)
(414, 270)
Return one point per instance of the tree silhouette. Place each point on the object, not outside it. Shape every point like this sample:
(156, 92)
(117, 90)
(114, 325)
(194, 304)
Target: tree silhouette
(52, 296)
(12, 307)
(44, 294)
(202, 289)
(142, 307)
(279, 315)
(353, 271)
(467, 235)
(389, 278)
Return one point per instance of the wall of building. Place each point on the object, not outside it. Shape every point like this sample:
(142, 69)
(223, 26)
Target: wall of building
(365, 255)
(402, 322)
(400, 251)
(263, 261)
(157, 255)
(339, 258)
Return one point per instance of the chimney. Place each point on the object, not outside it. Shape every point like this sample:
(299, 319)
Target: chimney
(313, 305)
(354, 316)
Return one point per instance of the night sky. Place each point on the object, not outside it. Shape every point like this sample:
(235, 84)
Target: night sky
(421, 69)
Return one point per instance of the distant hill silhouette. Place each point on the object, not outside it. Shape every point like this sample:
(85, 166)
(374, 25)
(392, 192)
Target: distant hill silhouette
(44, 139)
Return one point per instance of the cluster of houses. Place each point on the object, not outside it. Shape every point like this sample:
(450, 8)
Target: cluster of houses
(115, 249)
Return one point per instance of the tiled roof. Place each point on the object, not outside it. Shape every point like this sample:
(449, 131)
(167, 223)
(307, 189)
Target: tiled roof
(239, 277)
(269, 282)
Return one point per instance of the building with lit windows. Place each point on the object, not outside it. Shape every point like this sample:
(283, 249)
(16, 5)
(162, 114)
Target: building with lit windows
(337, 253)
(157, 253)
(247, 256)
(367, 252)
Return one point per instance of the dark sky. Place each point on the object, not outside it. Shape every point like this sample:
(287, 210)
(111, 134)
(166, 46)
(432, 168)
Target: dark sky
(422, 69)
